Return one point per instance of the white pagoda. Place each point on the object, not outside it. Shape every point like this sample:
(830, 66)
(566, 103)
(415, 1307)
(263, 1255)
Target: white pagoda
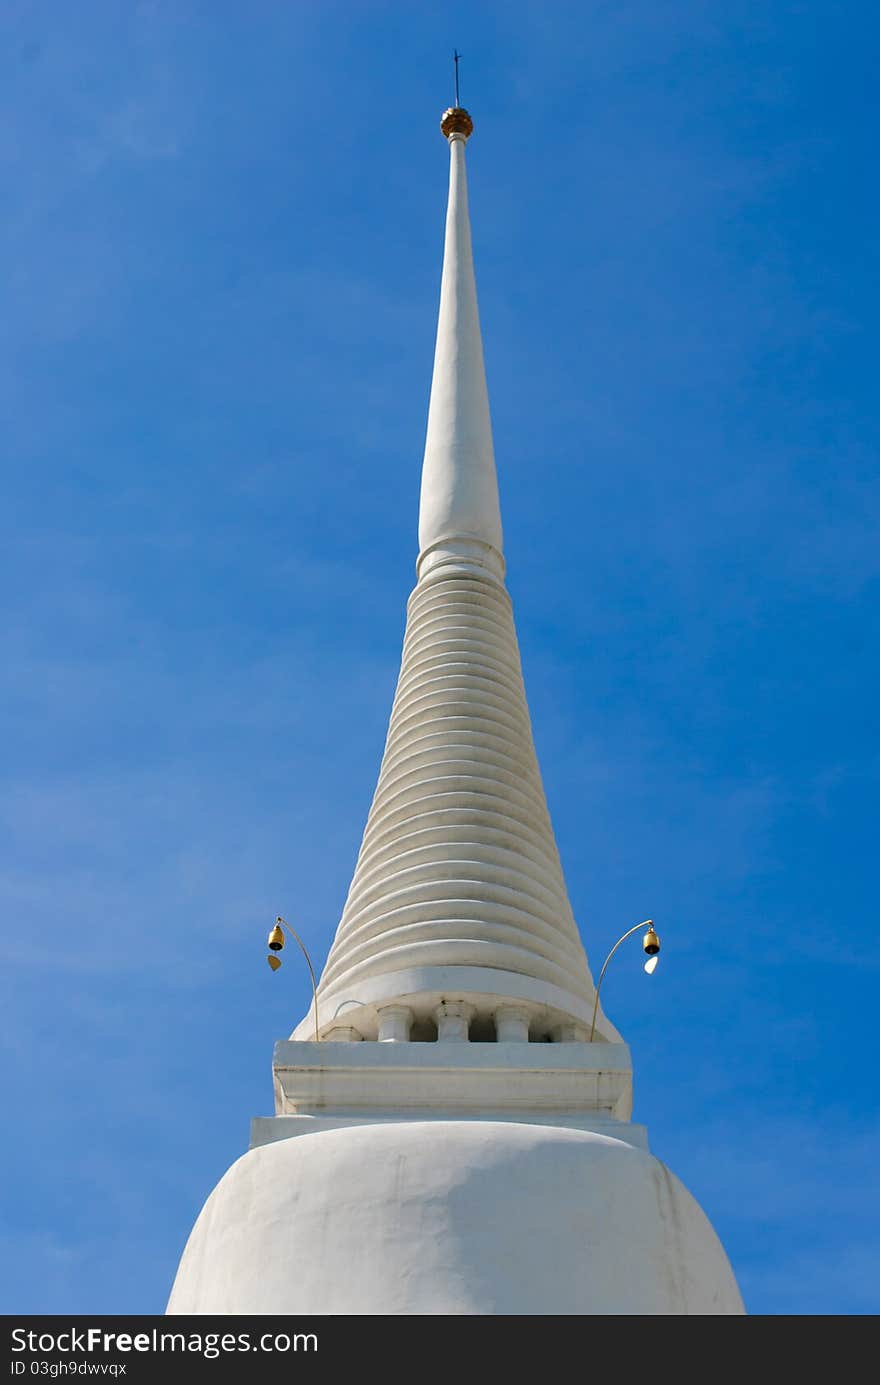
(454, 1143)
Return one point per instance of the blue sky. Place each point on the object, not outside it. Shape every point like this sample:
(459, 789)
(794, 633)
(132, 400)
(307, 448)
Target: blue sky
(221, 237)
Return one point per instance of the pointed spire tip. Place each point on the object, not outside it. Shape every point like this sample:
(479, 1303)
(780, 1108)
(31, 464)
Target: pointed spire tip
(456, 121)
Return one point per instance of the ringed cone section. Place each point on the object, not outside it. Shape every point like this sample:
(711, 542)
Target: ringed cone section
(458, 890)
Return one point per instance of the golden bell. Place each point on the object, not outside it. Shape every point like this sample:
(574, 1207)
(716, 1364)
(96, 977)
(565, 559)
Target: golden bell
(650, 942)
(274, 962)
(276, 939)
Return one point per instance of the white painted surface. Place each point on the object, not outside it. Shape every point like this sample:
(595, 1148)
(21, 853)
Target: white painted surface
(459, 499)
(512, 1024)
(422, 989)
(395, 1023)
(452, 1018)
(343, 1034)
(458, 867)
(571, 1034)
(452, 1077)
(452, 1217)
(265, 1130)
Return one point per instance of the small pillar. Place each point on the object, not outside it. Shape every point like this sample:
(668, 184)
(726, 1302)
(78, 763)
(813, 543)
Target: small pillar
(453, 1018)
(343, 1034)
(570, 1033)
(512, 1024)
(395, 1022)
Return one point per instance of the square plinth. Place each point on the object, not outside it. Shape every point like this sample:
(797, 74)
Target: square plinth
(453, 1078)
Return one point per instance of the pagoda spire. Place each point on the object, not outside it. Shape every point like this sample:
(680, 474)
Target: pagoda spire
(457, 920)
(430, 1170)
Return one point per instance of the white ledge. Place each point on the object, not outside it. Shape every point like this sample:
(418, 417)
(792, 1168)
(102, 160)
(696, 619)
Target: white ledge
(267, 1130)
(453, 1078)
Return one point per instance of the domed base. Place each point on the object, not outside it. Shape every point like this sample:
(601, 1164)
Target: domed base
(452, 1217)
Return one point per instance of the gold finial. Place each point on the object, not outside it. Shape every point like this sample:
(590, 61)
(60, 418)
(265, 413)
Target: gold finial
(456, 121)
